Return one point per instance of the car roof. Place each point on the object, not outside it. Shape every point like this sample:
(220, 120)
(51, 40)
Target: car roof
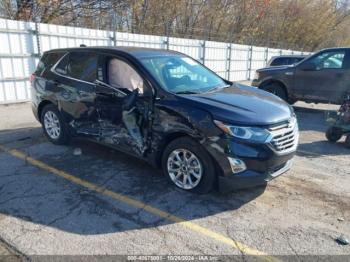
(288, 56)
(138, 52)
(336, 49)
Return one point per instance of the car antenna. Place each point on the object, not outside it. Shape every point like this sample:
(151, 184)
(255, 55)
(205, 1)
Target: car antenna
(82, 45)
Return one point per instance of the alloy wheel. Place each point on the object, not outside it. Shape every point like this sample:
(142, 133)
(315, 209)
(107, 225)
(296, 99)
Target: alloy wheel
(184, 168)
(52, 125)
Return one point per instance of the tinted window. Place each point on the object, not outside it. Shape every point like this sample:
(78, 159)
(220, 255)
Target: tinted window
(329, 60)
(280, 61)
(82, 66)
(47, 61)
(61, 68)
(296, 60)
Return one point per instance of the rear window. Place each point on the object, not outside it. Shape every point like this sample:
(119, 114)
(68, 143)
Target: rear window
(79, 65)
(296, 60)
(47, 61)
(280, 61)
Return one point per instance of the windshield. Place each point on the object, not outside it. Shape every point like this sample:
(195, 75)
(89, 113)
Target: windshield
(181, 74)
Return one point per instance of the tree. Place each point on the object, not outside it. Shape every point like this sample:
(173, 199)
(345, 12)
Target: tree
(291, 24)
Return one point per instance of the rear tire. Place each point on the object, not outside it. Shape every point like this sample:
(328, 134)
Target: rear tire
(54, 126)
(276, 89)
(347, 141)
(333, 134)
(178, 166)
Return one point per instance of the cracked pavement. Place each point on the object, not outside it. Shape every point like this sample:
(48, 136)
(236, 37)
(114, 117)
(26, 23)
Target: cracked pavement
(43, 214)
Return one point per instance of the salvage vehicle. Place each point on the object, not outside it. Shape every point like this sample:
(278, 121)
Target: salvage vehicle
(168, 109)
(285, 60)
(322, 77)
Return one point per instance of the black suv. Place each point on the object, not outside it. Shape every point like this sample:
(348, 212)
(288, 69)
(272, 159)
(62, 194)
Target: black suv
(168, 109)
(322, 77)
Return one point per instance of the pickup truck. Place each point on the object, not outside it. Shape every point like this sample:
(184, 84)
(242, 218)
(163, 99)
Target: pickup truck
(323, 77)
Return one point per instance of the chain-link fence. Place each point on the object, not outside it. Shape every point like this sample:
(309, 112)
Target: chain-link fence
(22, 43)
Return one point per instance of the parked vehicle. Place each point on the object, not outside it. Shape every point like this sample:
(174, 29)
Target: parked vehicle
(322, 77)
(168, 109)
(339, 123)
(285, 60)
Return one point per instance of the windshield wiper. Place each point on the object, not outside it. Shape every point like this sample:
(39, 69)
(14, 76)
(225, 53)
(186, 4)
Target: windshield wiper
(187, 92)
(216, 87)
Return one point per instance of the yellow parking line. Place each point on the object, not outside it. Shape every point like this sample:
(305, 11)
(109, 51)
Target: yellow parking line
(138, 204)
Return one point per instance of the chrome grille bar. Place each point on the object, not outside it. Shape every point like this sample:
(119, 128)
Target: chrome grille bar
(285, 137)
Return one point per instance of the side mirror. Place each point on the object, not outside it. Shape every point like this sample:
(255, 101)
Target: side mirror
(307, 66)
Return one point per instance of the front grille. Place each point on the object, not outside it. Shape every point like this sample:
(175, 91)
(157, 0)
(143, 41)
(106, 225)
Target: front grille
(285, 136)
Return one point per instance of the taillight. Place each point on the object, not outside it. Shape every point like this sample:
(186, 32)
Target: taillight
(31, 78)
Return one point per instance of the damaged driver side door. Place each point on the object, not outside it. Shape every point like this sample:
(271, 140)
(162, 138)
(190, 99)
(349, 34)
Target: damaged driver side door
(123, 105)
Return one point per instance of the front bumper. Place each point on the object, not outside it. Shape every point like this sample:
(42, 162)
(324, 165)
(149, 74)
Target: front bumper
(255, 82)
(251, 178)
(262, 163)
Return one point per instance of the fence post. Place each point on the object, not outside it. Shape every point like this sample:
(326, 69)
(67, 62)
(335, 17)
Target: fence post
(203, 51)
(166, 43)
(249, 62)
(114, 38)
(37, 35)
(266, 55)
(228, 70)
(114, 28)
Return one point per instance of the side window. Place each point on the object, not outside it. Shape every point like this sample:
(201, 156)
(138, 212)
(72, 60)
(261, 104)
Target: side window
(279, 61)
(274, 62)
(61, 68)
(47, 61)
(329, 60)
(82, 66)
(121, 74)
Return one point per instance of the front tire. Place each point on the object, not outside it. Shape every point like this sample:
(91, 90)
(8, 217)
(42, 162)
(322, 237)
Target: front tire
(347, 141)
(187, 165)
(276, 89)
(54, 126)
(333, 134)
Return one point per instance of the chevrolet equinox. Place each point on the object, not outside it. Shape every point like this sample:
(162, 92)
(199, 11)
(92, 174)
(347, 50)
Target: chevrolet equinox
(168, 109)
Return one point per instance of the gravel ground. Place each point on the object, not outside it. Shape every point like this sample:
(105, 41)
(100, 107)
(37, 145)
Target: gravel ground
(300, 213)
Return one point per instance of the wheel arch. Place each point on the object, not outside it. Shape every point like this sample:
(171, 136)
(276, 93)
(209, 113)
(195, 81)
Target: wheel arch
(162, 144)
(41, 106)
(275, 81)
(175, 135)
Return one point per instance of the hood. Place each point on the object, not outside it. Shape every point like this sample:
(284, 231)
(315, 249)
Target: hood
(275, 68)
(242, 105)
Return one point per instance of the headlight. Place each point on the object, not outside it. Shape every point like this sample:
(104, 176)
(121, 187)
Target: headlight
(256, 75)
(254, 134)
